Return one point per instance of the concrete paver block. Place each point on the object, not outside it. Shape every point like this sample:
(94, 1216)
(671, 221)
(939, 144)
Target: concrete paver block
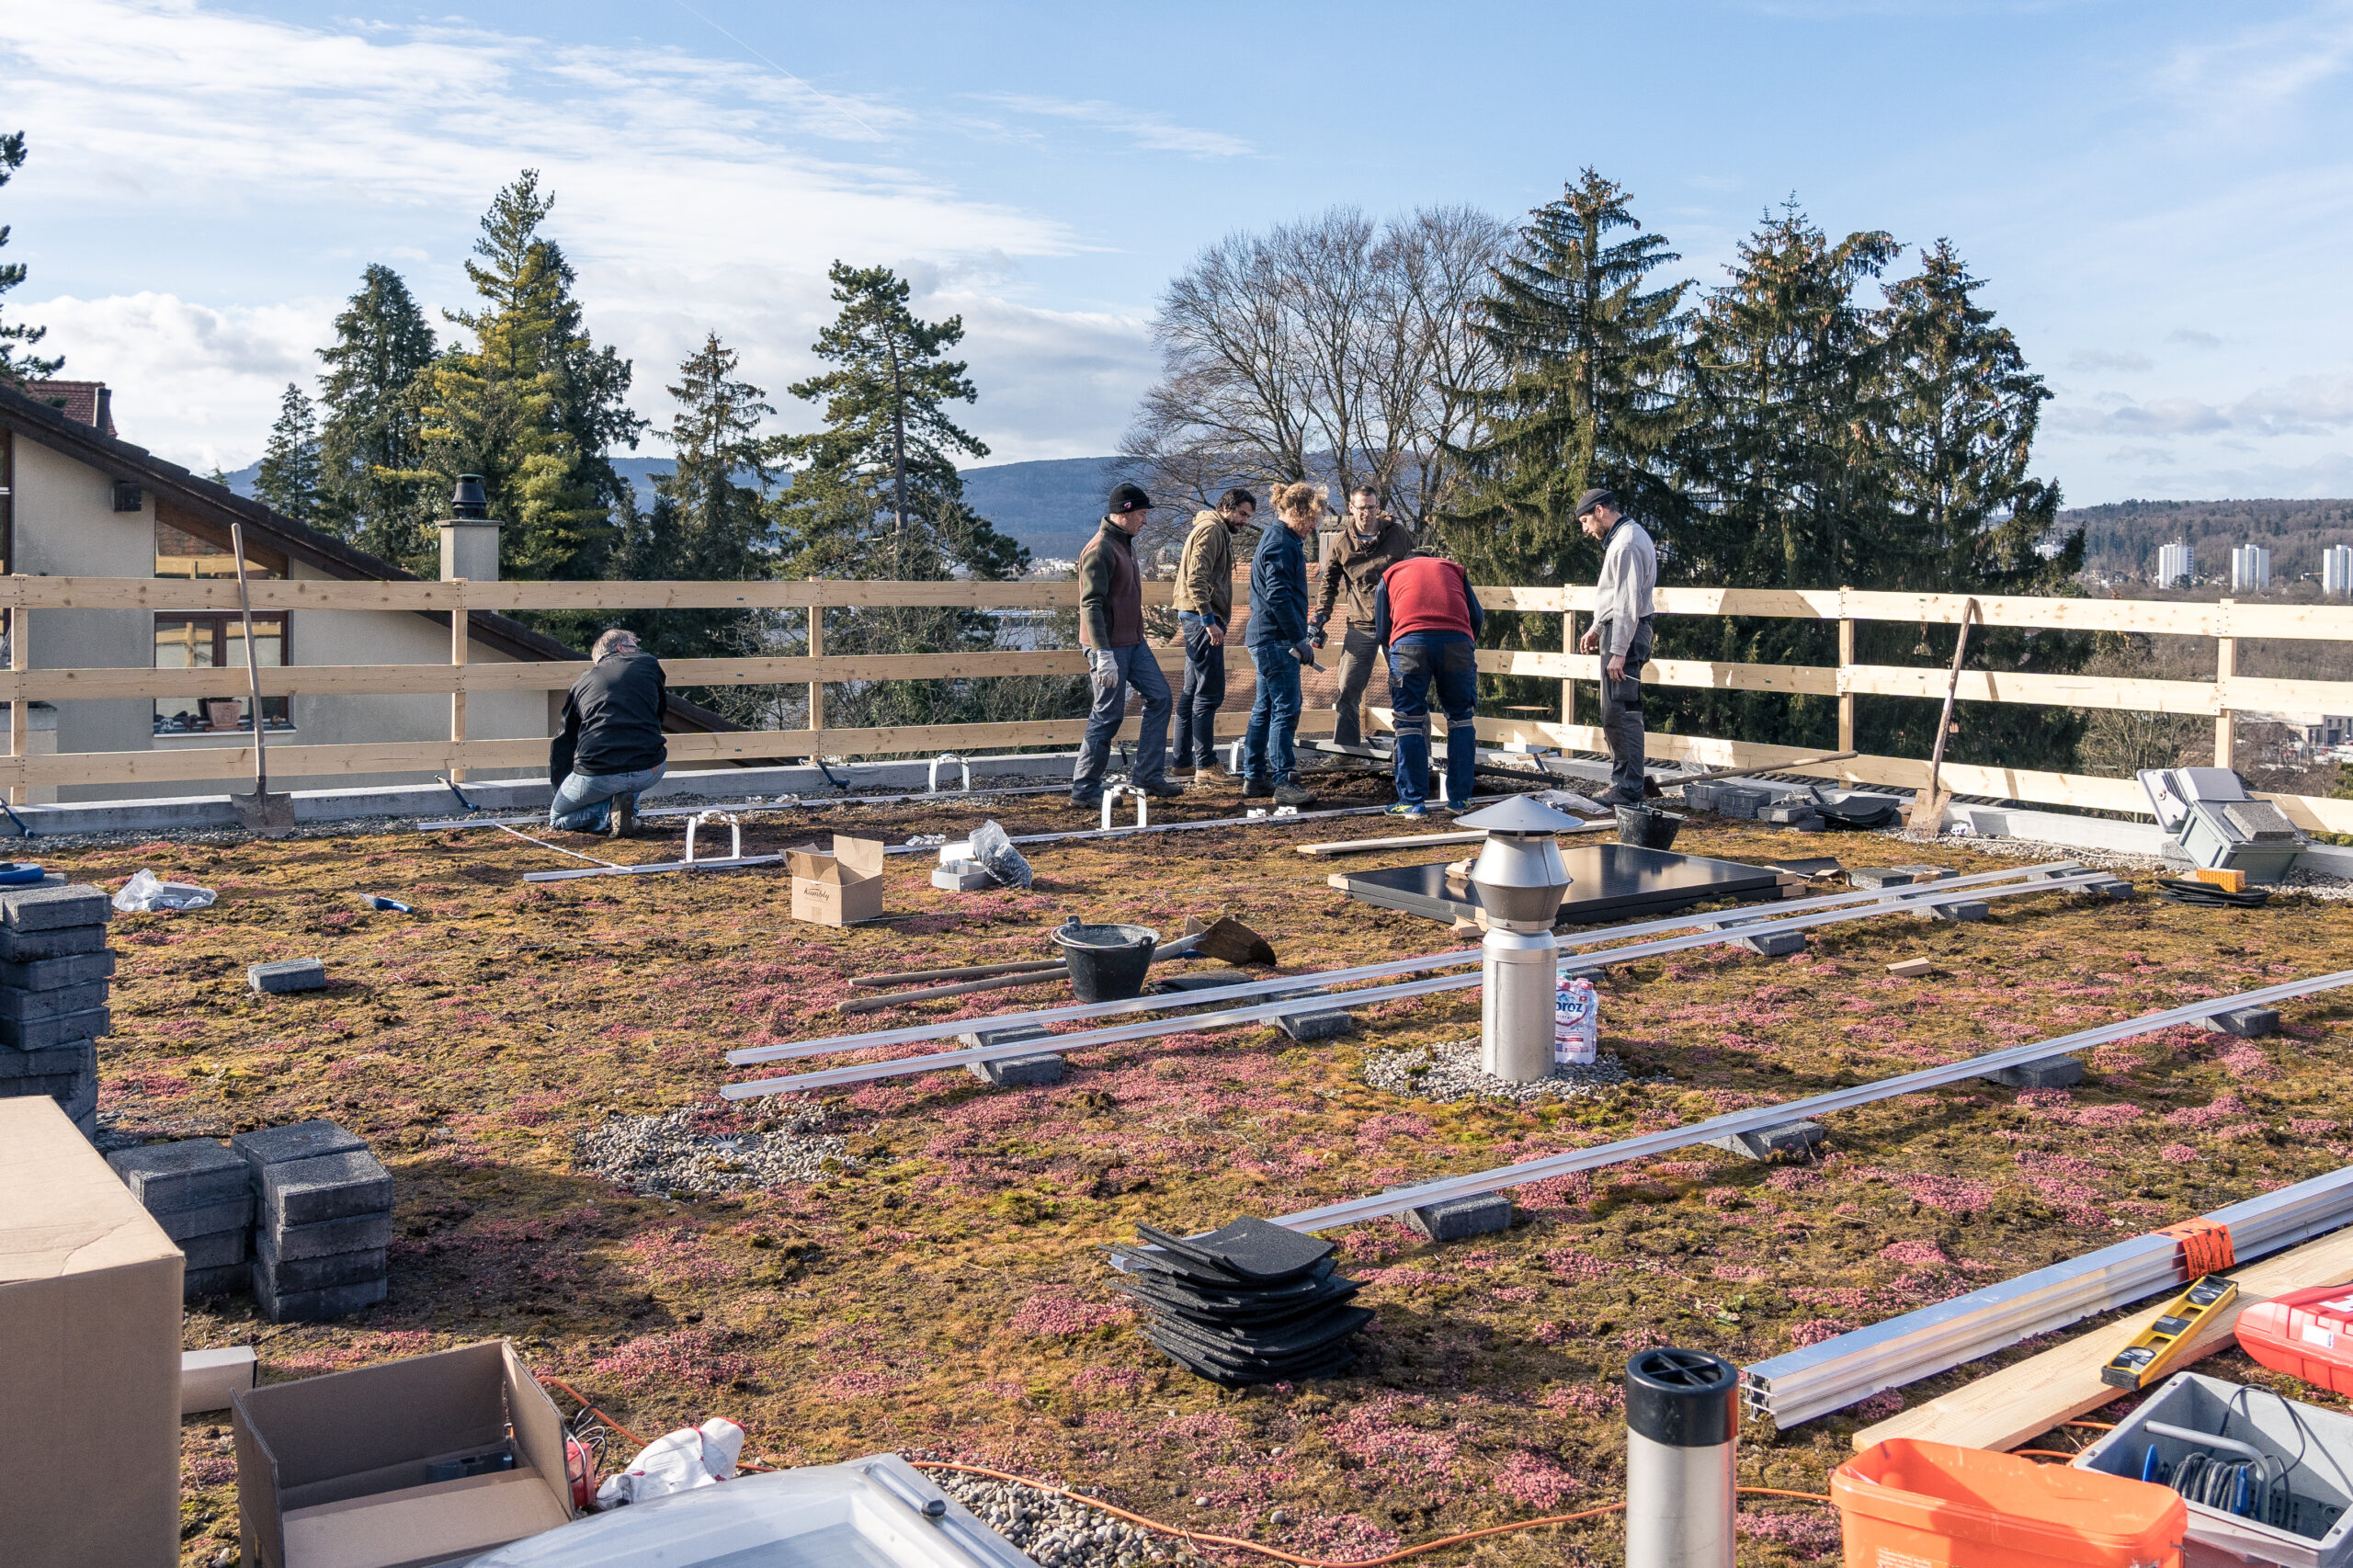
(40, 1034)
(81, 1056)
(326, 1187)
(1454, 1218)
(52, 974)
(296, 1141)
(314, 1306)
(1879, 876)
(358, 1233)
(2248, 1023)
(1791, 1140)
(36, 947)
(282, 975)
(218, 1250)
(191, 1174)
(1957, 911)
(288, 1274)
(1775, 944)
(1215, 980)
(47, 908)
(184, 1225)
(29, 1007)
(225, 1280)
(1046, 1067)
(2051, 1073)
(1329, 1024)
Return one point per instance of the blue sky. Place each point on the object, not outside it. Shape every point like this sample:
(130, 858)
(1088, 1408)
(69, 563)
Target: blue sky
(2161, 195)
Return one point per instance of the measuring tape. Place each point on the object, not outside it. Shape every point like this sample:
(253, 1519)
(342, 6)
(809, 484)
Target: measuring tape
(2151, 1353)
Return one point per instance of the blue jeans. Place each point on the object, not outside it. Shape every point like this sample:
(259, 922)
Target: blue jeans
(1450, 661)
(1202, 694)
(1111, 672)
(583, 802)
(1267, 755)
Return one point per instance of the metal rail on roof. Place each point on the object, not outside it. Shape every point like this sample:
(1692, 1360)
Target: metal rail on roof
(1228, 1018)
(1906, 895)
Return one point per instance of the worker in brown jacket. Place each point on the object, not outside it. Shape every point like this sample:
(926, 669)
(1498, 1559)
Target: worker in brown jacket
(1204, 610)
(1110, 628)
(1369, 546)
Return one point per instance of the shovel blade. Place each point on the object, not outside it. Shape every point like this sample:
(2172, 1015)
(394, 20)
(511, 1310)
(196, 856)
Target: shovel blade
(1230, 941)
(271, 816)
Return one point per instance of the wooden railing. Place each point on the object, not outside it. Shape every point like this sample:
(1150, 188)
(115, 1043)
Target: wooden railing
(2220, 698)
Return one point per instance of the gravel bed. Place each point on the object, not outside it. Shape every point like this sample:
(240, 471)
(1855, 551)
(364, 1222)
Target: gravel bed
(1056, 1531)
(1450, 1073)
(2036, 849)
(657, 1154)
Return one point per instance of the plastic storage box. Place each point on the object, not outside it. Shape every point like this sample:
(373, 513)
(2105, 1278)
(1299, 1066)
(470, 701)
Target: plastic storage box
(1904, 1501)
(2312, 1448)
(2306, 1333)
(877, 1511)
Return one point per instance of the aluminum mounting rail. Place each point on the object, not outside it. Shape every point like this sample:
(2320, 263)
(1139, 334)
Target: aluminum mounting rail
(1759, 1118)
(755, 804)
(1259, 1012)
(1904, 896)
(1837, 1372)
(1269, 820)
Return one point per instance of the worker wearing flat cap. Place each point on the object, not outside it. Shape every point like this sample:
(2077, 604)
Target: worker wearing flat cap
(1111, 629)
(1621, 634)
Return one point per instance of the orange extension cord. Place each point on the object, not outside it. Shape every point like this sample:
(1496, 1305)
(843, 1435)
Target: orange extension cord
(1195, 1538)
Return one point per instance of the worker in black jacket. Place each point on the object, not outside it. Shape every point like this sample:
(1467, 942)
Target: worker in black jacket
(611, 746)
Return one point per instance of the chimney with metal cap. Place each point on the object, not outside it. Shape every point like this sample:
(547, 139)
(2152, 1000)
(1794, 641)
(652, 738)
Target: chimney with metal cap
(469, 537)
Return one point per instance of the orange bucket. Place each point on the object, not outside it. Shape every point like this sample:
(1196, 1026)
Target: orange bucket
(1911, 1505)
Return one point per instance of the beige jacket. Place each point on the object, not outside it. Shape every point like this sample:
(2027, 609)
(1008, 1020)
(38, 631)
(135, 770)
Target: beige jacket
(1354, 566)
(1205, 575)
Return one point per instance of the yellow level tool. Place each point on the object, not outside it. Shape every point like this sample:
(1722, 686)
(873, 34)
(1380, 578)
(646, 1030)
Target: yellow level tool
(2151, 1354)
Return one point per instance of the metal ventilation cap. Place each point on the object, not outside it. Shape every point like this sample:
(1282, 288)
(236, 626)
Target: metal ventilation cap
(1520, 815)
(468, 501)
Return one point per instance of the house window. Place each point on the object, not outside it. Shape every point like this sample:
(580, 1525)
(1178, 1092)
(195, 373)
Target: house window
(180, 553)
(216, 643)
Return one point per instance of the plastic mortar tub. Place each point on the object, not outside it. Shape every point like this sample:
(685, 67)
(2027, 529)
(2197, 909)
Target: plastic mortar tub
(1107, 962)
(1904, 1504)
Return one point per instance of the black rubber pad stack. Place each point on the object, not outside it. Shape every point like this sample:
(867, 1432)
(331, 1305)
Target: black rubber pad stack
(1250, 1302)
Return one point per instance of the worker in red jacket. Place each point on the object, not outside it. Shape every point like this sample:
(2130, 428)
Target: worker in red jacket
(1425, 615)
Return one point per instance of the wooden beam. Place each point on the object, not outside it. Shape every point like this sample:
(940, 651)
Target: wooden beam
(2226, 667)
(2024, 1400)
(19, 715)
(1846, 668)
(458, 638)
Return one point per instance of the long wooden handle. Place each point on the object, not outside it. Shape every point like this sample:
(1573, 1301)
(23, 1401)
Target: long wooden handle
(1761, 767)
(932, 993)
(1953, 689)
(967, 972)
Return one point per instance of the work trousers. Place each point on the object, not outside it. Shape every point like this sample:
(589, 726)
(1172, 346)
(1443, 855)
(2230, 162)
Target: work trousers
(1202, 694)
(1445, 664)
(584, 802)
(1621, 715)
(1358, 654)
(1268, 754)
(1110, 672)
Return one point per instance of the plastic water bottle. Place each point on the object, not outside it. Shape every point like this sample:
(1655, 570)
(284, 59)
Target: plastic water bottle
(1576, 1022)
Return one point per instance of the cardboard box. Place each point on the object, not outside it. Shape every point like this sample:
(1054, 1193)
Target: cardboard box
(840, 889)
(335, 1472)
(89, 1353)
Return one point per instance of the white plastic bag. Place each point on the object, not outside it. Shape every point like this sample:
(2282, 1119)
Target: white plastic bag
(678, 1462)
(146, 891)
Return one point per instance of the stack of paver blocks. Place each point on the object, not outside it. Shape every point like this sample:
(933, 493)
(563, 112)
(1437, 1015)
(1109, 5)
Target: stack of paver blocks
(202, 1195)
(54, 970)
(324, 1216)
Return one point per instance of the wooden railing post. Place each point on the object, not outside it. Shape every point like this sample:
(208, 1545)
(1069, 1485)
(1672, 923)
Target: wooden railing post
(1846, 658)
(816, 651)
(1568, 649)
(2226, 664)
(458, 640)
(20, 725)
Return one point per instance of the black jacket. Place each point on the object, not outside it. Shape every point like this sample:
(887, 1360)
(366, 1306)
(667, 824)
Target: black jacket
(612, 720)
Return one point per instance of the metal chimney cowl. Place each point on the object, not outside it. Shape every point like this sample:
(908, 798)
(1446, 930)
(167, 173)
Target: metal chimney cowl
(1520, 879)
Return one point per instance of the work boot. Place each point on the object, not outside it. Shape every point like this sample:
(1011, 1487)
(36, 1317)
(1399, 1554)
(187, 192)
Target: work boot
(1614, 797)
(1093, 803)
(1290, 794)
(1256, 790)
(1408, 809)
(1161, 788)
(620, 817)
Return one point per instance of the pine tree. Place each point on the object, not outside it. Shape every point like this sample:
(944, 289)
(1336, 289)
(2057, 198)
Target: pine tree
(706, 525)
(533, 406)
(370, 440)
(1590, 358)
(289, 481)
(18, 363)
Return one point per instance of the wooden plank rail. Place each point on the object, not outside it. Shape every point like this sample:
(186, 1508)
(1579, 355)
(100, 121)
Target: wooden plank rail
(193, 758)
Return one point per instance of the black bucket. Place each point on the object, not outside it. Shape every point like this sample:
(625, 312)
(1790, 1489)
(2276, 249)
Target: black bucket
(1647, 829)
(1107, 962)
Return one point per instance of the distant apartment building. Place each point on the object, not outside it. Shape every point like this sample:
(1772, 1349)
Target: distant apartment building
(2250, 567)
(2337, 569)
(2176, 564)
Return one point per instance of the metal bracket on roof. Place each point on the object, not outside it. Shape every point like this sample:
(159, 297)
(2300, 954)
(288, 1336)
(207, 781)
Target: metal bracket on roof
(1111, 796)
(932, 782)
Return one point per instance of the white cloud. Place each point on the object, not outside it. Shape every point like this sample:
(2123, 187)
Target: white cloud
(1154, 133)
(2193, 337)
(2107, 360)
(692, 194)
(2304, 406)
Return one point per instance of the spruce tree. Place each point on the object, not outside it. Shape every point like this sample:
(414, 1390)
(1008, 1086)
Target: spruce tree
(18, 363)
(533, 406)
(370, 440)
(1589, 357)
(289, 481)
(706, 524)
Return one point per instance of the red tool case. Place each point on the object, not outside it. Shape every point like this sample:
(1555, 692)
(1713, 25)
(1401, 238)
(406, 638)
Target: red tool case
(2308, 1334)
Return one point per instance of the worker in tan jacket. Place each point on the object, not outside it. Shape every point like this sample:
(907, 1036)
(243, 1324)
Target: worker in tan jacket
(1204, 612)
(1369, 546)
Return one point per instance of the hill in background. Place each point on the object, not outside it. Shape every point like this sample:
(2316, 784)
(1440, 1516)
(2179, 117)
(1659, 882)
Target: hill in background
(2121, 539)
(1050, 507)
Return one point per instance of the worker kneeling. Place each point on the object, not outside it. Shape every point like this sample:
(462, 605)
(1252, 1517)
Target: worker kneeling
(611, 746)
(1427, 615)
